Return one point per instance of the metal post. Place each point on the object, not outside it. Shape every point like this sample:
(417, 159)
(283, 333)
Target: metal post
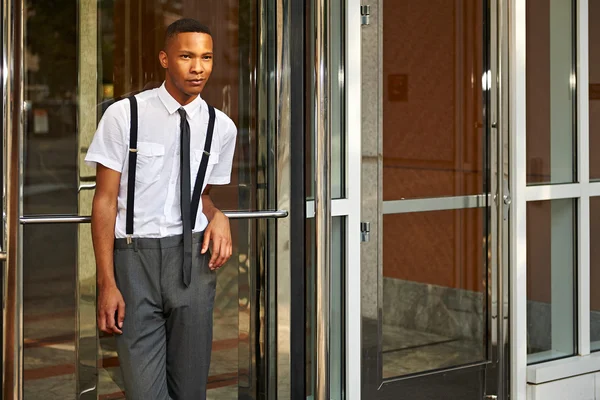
(322, 193)
(12, 77)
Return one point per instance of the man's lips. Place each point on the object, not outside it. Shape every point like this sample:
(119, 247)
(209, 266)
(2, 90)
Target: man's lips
(195, 81)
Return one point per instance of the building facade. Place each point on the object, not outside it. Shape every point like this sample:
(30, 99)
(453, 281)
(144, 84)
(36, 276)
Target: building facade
(415, 198)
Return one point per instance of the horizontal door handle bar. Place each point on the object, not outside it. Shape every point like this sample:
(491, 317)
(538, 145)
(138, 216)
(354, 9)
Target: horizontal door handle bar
(435, 204)
(34, 220)
(256, 214)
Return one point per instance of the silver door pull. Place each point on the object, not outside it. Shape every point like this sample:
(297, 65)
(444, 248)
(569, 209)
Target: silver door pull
(68, 219)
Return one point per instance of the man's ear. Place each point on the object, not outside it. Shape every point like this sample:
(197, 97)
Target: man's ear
(164, 59)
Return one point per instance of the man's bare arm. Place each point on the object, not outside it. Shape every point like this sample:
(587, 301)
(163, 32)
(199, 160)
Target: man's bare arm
(218, 230)
(104, 213)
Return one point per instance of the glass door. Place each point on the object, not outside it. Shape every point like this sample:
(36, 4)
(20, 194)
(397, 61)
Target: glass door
(79, 57)
(432, 180)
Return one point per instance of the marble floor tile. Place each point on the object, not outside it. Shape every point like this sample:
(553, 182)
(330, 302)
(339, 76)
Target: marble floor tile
(408, 352)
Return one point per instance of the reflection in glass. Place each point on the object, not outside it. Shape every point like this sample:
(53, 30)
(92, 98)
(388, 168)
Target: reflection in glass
(49, 311)
(595, 273)
(337, 307)
(551, 244)
(594, 76)
(550, 88)
(51, 78)
(434, 280)
(81, 57)
(433, 122)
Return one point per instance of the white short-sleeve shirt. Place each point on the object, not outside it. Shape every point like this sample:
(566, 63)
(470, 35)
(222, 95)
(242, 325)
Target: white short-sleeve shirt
(157, 195)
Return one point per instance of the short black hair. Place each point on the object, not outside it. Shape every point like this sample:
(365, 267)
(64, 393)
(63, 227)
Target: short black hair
(184, 25)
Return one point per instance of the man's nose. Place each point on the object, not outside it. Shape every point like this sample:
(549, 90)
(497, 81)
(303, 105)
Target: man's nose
(197, 66)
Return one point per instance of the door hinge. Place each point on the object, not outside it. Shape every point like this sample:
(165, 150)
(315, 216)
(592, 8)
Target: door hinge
(365, 14)
(365, 231)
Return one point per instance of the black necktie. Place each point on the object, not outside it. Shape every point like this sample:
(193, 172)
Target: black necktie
(185, 180)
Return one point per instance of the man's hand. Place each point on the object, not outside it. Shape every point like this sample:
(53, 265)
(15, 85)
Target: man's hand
(219, 232)
(111, 306)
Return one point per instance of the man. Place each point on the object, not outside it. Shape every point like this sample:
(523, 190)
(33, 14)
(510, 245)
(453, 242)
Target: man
(148, 260)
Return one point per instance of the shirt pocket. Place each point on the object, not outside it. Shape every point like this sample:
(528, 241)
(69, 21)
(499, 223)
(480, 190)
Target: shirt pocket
(150, 162)
(197, 158)
(212, 159)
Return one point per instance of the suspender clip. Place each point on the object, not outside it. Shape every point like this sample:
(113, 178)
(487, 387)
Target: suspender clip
(207, 153)
(133, 150)
(128, 239)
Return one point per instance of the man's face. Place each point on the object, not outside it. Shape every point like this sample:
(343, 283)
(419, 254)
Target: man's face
(188, 59)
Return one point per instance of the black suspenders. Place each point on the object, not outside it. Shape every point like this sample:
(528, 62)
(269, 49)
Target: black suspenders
(203, 164)
(133, 136)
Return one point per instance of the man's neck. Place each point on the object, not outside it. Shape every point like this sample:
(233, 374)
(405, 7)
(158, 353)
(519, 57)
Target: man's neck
(178, 95)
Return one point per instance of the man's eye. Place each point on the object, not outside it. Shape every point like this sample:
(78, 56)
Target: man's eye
(185, 56)
(208, 57)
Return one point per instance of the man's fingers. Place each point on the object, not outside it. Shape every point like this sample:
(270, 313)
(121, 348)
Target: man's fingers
(101, 322)
(120, 314)
(109, 318)
(205, 242)
(225, 252)
(215, 253)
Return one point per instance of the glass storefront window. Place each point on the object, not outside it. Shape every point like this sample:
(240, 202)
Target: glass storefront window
(551, 261)
(432, 101)
(434, 304)
(82, 56)
(551, 95)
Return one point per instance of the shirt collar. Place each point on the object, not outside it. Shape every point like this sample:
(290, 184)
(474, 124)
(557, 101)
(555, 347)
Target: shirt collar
(173, 105)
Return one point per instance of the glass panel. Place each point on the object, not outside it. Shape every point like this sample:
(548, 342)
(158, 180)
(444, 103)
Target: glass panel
(51, 78)
(337, 307)
(338, 132)
(594, 59)
(551, 98)
(49, 311)
(128, 65)
(338, 267)
(434, 303)
(551, 244)
(595, 273)
(81, 57)
(433, 122)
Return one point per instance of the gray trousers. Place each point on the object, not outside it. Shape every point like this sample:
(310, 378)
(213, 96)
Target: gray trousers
(165, 348)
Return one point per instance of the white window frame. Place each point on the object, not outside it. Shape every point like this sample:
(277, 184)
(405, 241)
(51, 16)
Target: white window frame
(583, 362)
(351, 206)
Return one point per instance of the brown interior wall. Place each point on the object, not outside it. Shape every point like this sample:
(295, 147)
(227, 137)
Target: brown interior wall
(539, 219)
(538, 90)
(539, 243)
(594, 54)
(594, 57)
(433, 139)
